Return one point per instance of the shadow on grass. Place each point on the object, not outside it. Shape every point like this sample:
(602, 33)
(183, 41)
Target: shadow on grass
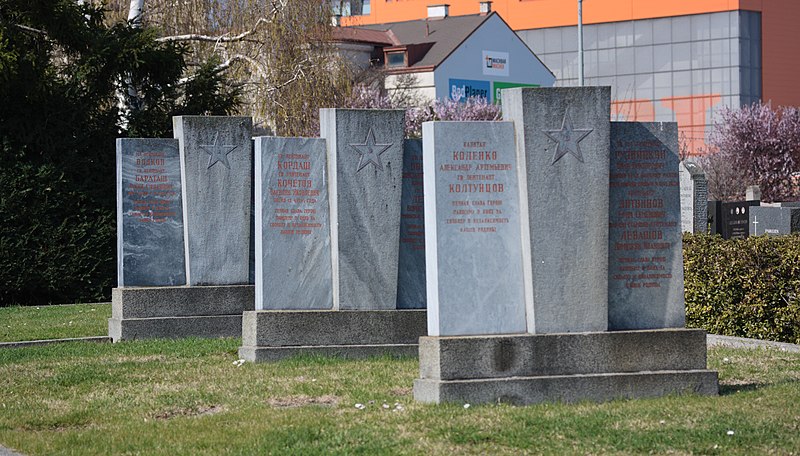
(727, 390)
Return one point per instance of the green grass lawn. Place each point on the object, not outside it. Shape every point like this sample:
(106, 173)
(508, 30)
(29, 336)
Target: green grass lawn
(188, 397)
(54, 322)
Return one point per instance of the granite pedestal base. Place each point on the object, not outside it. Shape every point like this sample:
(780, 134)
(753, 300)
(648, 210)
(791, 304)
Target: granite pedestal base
(271, 335)
(596, 366)
(176, 312)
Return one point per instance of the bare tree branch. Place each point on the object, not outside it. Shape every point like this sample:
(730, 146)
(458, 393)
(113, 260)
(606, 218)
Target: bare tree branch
(213, 39)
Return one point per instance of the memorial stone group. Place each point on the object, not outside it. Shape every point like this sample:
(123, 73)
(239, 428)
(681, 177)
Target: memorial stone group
(497, 235)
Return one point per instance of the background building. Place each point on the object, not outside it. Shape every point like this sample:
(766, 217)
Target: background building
(453, 57)
(678, 60)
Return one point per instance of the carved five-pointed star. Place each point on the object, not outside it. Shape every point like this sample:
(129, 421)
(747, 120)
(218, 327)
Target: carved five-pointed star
(218, 152)
(567, 139)
(370, 151)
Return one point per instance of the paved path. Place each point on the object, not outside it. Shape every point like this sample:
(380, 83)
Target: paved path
(31, 343)
(6, 452)
(713, 340)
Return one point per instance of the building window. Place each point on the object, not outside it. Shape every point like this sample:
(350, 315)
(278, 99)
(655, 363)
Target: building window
(350, 7)
(396, 59)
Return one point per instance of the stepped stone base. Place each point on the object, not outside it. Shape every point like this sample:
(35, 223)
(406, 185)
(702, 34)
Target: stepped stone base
(530, 369)
(176, 312)
(271, 335)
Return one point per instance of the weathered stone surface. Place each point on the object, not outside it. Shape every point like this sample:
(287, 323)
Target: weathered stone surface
(411, 267)
(567, 388)
(529, 369)
(269, 354)
(292, 225)
(365, 165)
(216, 167)
(645, 256)
(472, 236)
(563, 146)
(175, 312)
(774, 220)
(536, 355)
(287, 328)
(149, 213)
(157, 302)
(694, 198)
(175, 327)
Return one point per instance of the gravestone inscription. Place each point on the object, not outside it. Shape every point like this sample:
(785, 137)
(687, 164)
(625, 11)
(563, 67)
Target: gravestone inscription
(216, 168)
(774, 220)
(645, 259)
(365, 166)
(292, 225)
(149, 214)
(472, 234)
(411, 267)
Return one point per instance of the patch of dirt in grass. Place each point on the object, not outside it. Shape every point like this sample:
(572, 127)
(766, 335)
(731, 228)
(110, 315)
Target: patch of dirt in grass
(303, 400)
(403, 391)
(189, 411)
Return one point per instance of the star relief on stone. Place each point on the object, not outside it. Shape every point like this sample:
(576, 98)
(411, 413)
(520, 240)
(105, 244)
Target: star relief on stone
(370, 151)
(567, 139)
(218, 153)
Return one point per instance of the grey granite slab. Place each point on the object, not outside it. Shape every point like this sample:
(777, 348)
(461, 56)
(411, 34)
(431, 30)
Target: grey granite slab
(411, 267)
(149, 213)
(694, 198)
(472, 234)
(293, 248)
(774, 220)
(645, 256)
(365, 165)
(563, 148)
(216, 167)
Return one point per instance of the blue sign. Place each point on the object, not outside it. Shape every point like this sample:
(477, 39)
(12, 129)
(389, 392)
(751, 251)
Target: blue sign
(461, 89)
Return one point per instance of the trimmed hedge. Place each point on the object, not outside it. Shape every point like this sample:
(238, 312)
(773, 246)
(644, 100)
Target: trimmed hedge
(743, 287)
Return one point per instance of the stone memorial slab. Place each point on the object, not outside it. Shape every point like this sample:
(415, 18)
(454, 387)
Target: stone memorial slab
(734, 219)
(411, 292)
(563, 146)
(149, 214)
(472, 234)
(365, 166)
(694, 198)
(216, 168)
(292, 225)
(645, 256)
(774, 221)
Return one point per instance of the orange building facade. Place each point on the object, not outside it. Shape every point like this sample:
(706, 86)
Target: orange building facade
(677, 60)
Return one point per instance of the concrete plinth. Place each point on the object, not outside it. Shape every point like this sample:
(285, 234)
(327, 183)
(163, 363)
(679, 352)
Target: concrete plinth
(270, 335)
(175, 312)
(597, 366)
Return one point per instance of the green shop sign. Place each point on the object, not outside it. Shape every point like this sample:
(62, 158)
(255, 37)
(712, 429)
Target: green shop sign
(498, 86)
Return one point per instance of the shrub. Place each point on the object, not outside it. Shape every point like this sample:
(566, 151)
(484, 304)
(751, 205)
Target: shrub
(743, 287)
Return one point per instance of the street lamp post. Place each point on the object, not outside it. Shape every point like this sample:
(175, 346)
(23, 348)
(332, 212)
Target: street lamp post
(580, 43)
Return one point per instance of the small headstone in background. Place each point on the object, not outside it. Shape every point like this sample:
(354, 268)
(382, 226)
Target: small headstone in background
(365, 167)
(472, 237)
(149, 215)
(292, 225)
(753, 193)
(216, 166)
(694, 198)
(735, 219)
(774, 220)
(411, 267)
(563, 136)
(645, 258)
